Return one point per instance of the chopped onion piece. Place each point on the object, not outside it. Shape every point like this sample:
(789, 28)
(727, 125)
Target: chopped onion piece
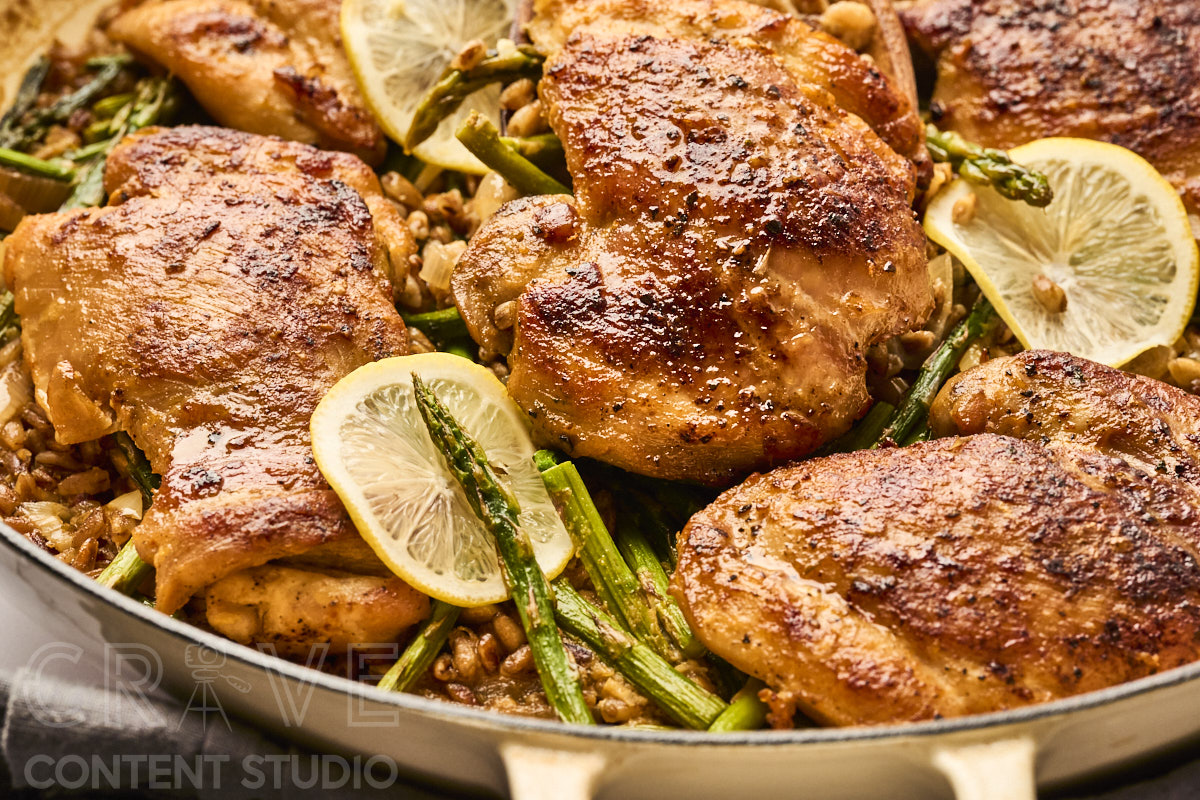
(48, 518)
(129, 504)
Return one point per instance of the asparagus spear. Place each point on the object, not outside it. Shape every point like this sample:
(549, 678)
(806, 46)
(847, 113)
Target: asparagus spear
(421, 651)
(653, 580)
(914, 406)
(57, 170)
(441, 326)
(658, 527)
(8, 311)
(545, 459)
(139, 468)
(32, 125)
(745, 713)
(125, 572)
(455, 85)
(480, 136)
(498, 510)
(27, 93)
(152, 101)
(681, 698)
(988, 167)
(615, 583)
(865, 433)
(545, 149)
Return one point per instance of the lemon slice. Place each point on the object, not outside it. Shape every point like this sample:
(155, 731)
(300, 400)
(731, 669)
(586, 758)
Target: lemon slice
(399, 48)
(1115, 244)
(373, 448)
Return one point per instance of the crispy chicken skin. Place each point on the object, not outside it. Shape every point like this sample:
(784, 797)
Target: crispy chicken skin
(229, 283)
(1124, 71)
(1062, 400)
(812, 58)
(263, 66)
(1049, 551)
(700, 308)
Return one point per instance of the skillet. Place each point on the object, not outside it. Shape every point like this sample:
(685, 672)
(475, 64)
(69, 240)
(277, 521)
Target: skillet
(999, 756)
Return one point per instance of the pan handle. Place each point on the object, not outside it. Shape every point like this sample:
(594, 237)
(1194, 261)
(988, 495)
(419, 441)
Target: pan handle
(1002, 770)
(536, 773)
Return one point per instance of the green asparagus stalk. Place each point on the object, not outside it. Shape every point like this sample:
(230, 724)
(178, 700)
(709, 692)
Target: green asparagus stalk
(913, 410)
(32, 125)
(745, 713)
(615, 583)
(125, 572)
(652, 521)
(653, 579)
(107, 107)
(988, 167)
(57, 170)
(545, 459)
(480, 136)
(545, 149)
(422, 650)
(455, 85)
(27, 94)
(8, 311)
(921, 433)
(152, 101)
(498, 510)
(441, 326)
(679, 697)
(139, 468)
(865, 434)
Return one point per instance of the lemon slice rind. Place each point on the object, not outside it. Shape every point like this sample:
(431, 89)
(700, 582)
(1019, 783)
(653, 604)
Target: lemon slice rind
(372, 446)
(398, 48)
(1116, 238)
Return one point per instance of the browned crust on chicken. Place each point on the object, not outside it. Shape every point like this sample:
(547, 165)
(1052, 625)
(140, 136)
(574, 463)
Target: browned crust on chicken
(700, 308)
(968, 574)
(811, 57)
(1123, 71)
(269, 67)
(1057, 398)
(232, 280)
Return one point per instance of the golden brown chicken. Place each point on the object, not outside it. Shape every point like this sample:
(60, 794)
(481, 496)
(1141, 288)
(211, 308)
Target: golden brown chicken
(737, 239)
(229, 283)
(1124, 71)
(263, 66)
(1050, 551)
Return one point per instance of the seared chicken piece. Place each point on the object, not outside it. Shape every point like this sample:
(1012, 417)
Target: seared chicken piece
(1124, 71)
(293, 608)
(967, 574)
(263, 66)
(230, 282)
(736, 240)
(1065, 401)
(813, 59)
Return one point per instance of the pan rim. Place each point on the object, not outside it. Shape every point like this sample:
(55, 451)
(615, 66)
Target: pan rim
(528, 725)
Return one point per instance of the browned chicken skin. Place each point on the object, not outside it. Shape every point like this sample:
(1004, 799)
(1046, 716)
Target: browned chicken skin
(1124, 71)
(736, 240)
(972, 573)
(264, 66)
(230, 282)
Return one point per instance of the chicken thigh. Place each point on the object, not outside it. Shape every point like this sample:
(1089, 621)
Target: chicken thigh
(229, 283)
(737, 239)
(1048, 549)
(263, 66)
(1124, 71)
